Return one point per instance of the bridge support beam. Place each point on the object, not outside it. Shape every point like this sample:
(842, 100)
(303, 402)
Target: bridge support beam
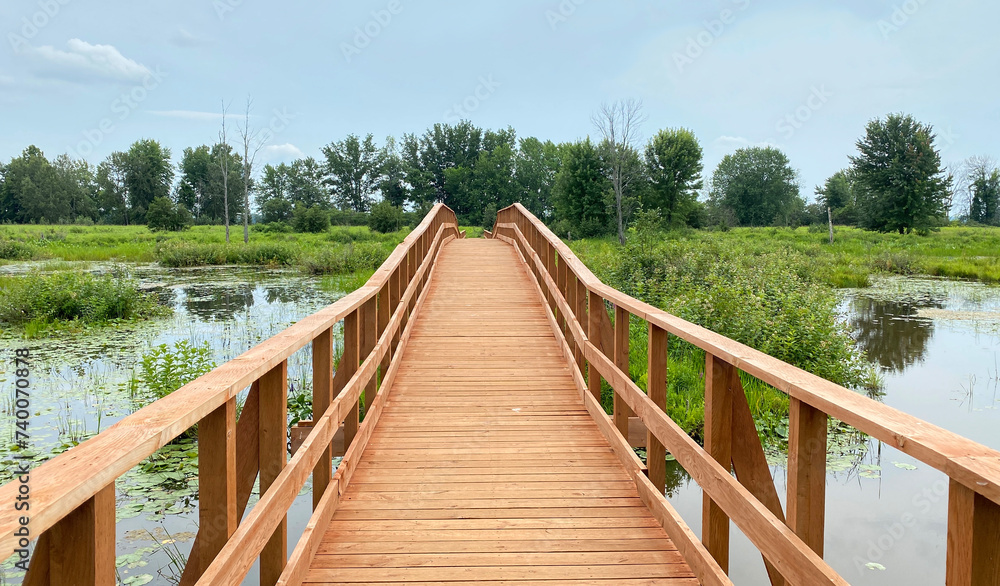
(973, 538)
(718, 444)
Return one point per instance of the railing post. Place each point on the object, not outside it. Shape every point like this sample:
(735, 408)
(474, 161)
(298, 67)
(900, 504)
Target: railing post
(272, 429)
(561, 285)
(80, 548)
(394, 294)
(656, 390)
(216, 482)
(347, 367)
(621, 409)
(383, 323)
(594, 310)
(322, 348)
(718, 443)
(369, 337)
(973, 538)
(807, 473)
(581, 314)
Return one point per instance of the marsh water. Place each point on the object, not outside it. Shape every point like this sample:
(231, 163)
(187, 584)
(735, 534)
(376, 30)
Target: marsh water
(937, 343)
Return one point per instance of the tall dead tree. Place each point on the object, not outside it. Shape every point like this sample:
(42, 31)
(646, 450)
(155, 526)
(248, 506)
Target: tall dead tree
(224, 165)
(252, 143)
(619, 124)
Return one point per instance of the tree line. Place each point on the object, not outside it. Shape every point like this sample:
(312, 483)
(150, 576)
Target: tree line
(589, 187)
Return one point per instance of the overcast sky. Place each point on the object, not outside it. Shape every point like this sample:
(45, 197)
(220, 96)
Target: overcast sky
(90, 77)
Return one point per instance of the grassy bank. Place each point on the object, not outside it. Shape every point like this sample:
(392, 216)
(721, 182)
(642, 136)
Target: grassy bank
(954, 252)
(759, 291)
(332, 251)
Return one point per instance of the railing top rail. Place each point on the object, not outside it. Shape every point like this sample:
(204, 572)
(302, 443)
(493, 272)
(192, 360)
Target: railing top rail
(968, 462)
(63, 483)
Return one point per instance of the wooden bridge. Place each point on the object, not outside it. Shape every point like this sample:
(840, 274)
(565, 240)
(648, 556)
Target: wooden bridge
(484, 454)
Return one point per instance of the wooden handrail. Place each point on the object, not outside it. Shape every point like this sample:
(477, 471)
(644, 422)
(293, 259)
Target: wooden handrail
(794, 551)
(64, 484)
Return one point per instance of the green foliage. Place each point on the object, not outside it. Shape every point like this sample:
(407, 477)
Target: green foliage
(582, 191)
(164, 214)
(385, 217)
(313, 220)
(163, 369)
(758, 186)
(673, 161)
(901, 184)
(984, 207)
(46, 298)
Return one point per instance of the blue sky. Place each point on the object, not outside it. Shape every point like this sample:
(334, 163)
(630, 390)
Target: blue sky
(91, 77)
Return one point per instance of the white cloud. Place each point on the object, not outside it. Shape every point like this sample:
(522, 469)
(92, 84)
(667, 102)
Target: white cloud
(183, 38)
(282, 152)
(85, 62)
(188, 115)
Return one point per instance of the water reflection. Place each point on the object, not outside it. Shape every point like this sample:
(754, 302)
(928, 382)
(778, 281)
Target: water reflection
(218, 303)
(891, 332)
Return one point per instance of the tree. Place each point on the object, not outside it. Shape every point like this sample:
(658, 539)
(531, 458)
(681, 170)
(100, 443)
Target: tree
(223, 162)
(223, 206)
(252, 144)
(148, 175)
(485, 183)
(581, 191)
(112, 191)
(837, 195)
(442, 147)
(901, 184)
(353, 171)
(673, 165)
(619, 125)
(36, 190)
(535, 174)
(198, 171)
(393, 186)
(981, 184)
(757, 185)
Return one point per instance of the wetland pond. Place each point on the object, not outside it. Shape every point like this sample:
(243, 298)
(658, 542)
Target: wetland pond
(937, 341)
(81, 385)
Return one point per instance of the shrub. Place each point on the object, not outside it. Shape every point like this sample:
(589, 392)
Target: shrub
(14, 250)
(385, 218)
(165, 369)
(348, 218)
(272, 228)
(276, 210)
(164, 214)
(71, 295)
(314, 219)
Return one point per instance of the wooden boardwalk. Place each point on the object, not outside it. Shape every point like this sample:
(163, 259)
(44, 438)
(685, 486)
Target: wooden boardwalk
(485, 465)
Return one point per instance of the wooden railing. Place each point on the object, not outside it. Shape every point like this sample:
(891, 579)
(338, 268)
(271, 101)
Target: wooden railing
(72, 496)
(791, 542)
